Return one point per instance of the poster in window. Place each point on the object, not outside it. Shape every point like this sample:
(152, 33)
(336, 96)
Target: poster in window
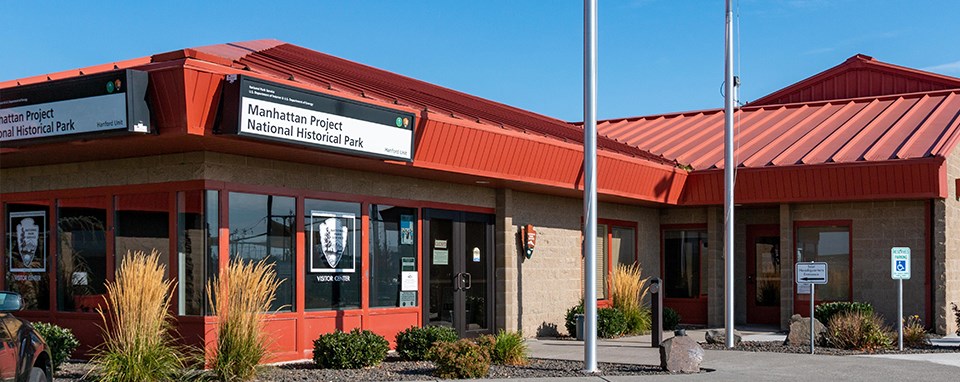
(406, 229)
(332, 247)
(28, 250)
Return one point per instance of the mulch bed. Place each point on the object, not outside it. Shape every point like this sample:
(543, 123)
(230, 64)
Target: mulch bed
(393, 369)
(779, 347)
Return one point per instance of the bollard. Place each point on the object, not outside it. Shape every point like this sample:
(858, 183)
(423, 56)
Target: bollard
(656, 311)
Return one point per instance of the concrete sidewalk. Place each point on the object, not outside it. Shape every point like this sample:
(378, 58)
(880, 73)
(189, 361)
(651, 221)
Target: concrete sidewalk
(762, 366)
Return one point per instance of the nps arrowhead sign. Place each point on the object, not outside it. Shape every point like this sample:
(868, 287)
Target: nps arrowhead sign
(811, 273)
(900, 263)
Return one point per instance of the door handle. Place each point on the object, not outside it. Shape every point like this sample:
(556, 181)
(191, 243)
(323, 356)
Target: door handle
(469, 279)
(458, 281)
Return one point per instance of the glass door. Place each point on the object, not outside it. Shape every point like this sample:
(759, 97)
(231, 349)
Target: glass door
(763, 275)
(459, 277)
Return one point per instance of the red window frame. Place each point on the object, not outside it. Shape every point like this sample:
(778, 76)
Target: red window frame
(692, 310)
(803, 306)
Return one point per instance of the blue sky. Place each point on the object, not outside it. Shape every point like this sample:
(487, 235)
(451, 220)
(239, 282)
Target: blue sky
(656, 56)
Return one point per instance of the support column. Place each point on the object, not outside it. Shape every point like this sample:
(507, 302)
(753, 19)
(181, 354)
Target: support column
(508, 301)
(943, 321)
(787, 259)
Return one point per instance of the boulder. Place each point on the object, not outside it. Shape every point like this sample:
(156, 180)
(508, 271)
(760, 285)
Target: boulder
(800, 331)
(681, 354)
(719, 336)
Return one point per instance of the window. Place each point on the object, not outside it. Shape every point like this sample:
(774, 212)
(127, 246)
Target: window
(682, 251)
(263, 227)
(82, 253)
(198, 224)
(615, 245)
(393, 253)
(829, 244)
(332, 270)
(142, 225)
(27, 227)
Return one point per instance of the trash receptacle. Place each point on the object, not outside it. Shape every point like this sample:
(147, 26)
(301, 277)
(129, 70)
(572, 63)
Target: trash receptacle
(579, 318)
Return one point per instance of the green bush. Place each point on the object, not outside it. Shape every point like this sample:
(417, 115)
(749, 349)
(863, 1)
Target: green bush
(61, 341)
(824, 312)
(508, 348)
(414, 343)
(611, 323)
(460, 359)
(914, 333)
(670, 319)
(354, 350)
(571, 319)
(638, 320)
(858, 331)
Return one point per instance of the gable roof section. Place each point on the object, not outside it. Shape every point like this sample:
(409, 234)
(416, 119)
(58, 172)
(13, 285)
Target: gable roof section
(859, 76)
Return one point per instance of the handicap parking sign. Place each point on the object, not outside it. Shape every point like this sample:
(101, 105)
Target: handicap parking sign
(900, 263)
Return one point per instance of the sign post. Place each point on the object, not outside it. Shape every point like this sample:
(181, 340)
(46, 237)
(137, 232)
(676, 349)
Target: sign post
(900, 270)
(811, 273)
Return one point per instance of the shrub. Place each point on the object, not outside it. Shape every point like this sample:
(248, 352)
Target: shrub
(238, 298)
(610, 323)
(460, 359)
(61, 341)
(628, 292)
(508, 348)
(136, 324)
(956, 316)
(914, 333)
(571, 319)
(414, 343)
(824, 312)
(858, 331)
(354, 350)
(670, 319)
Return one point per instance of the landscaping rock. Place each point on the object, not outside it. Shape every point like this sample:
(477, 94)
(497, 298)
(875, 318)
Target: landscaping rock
(800, 331)
(681, 354)
(719, 336)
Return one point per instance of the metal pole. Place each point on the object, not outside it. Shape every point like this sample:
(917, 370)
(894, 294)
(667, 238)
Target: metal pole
(813, 287)
(590, 185)
(728, 167)
(900, 314)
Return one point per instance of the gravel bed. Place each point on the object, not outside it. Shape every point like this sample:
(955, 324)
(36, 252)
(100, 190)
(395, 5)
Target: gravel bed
(779, 347)
(395, 370)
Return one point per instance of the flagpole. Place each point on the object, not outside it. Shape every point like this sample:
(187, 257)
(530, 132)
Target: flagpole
(728, 184)
(590, 185)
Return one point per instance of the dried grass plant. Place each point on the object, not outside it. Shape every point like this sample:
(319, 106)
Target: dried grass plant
(629, 292)
(138, 344)
(239, 298)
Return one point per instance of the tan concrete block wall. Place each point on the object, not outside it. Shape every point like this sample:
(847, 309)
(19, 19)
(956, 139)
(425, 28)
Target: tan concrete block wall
(117, 172)
(947, 249)
(876, 227)
(551, 281)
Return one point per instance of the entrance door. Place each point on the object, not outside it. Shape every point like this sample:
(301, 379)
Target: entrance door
(763, 274)
(459, 273)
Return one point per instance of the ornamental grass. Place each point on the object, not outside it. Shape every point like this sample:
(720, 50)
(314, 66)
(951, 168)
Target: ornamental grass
(238, 298)
(629, 292)
(138, 344)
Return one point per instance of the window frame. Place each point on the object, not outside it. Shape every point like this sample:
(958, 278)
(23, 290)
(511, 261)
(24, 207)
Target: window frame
(608, 256)
(664, 228)
(799, 306)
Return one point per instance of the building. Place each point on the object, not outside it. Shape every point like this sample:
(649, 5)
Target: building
(387, 202)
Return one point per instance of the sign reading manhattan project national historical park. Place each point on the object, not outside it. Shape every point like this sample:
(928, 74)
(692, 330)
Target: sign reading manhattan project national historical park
(262, 109)
(92, 104)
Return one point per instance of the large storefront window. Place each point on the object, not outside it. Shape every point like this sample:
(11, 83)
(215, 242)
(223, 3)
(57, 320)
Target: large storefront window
(623, 246)
(615, 246)
(142, 224)
(198, 224)
(681, 262)
(82, 249)
(27, 237)
(263, 227)
(829, 244)
(393, 256)
(333, 261)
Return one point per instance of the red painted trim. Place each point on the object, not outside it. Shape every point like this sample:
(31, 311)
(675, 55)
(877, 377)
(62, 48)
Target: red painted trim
(797, 306)
(928, 262)
(755, 315)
